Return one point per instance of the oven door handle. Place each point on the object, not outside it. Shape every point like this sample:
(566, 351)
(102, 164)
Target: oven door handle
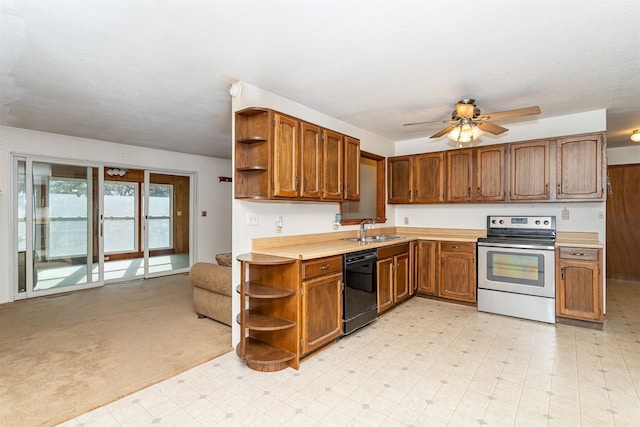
(517, 246)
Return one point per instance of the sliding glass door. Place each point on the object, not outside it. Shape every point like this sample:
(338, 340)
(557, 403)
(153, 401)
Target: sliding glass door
(146, 224)
(57, 210)
(79, 226)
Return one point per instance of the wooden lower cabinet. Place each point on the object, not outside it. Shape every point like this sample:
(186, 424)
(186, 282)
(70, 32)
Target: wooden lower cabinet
(424, 267)
(457, 271)
(579, 284)
(392, 275)
(321, 295)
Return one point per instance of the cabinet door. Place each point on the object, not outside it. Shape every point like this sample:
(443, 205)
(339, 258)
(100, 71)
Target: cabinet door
(529, 171)
(457, 278)
(459, 175)
(385, 284)
(489, 173)
(425, 267)
(285, 156)
(579, 292)
(579, 171)
(352, 168)
(333, 165)
(310, 160)
(401, 277)
(428, 176)
(321, 311)
(399, 181)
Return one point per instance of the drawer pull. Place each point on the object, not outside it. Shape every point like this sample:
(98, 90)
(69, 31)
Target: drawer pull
(578, 254)
(324, 267)
(455, 247)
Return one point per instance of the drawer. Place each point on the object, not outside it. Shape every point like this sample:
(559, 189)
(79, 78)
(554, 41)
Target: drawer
(322, 266)
(584, 254)
(389, 251)
(468, 247)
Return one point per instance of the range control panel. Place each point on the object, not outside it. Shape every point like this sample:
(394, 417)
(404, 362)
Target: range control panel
(522, 222)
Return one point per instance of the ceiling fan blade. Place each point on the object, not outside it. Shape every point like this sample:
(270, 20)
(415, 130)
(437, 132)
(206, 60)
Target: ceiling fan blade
(443, 132)
(519, 112)
(424, 123)
(491, 128)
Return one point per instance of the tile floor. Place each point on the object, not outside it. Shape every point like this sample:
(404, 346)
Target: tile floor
(425, 363)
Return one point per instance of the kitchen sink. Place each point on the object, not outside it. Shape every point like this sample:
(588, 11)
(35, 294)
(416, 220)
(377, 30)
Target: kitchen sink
(374, 239)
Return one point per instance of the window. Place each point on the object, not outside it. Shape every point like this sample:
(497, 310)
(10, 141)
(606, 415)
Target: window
(67, 211)
(120, 217)
(372, 192)
(160, 216)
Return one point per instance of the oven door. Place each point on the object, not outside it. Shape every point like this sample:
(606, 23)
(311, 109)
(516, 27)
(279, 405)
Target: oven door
(516, 270)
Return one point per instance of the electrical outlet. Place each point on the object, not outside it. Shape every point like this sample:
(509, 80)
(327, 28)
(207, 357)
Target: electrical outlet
(406, 220)
(565, 213)
(252, 218)
(279, 224)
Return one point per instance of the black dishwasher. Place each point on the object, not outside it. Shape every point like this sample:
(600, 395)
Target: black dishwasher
(360, 296)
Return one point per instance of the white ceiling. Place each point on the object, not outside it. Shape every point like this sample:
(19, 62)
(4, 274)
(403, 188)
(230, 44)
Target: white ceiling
(156, 73)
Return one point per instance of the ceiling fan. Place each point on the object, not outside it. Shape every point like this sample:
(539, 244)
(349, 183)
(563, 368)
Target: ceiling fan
(467, 122)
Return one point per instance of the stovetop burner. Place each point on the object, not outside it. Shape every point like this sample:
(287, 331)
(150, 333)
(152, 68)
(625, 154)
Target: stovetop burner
(523, 231)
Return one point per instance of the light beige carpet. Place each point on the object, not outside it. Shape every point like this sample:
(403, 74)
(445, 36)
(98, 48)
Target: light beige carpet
(64, 355)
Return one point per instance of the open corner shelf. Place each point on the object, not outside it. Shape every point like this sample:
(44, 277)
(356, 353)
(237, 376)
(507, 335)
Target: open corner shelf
(268, 312)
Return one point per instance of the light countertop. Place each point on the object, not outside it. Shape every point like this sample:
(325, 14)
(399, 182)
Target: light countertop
(320, 245)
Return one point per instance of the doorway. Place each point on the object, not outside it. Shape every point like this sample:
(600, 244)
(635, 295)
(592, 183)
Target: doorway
(623, 223)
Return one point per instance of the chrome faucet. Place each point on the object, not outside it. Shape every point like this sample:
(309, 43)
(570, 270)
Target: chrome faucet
(363, 230)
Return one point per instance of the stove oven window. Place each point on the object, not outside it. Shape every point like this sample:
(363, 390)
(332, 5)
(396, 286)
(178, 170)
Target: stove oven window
(509, 267)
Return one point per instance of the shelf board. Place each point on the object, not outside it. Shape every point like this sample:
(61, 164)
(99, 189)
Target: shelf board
(256, 168)
(262, 322)
(259, 290)
(251, 140)
(252, 111)
(261, 356)
(262, 259)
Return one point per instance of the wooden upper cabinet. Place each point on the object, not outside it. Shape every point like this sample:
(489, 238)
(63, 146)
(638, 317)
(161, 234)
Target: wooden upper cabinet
(579, 169)
(310, 160)
(285, 156)
(459, 175)
(333, 165)
(489, 173)
(529, 170)
(428, 178)
(351, 168)
(281, 157)
(399, 179)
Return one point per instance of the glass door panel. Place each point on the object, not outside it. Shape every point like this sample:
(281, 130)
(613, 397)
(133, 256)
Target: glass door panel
(167, 223)
(122, 246)
(64, 229)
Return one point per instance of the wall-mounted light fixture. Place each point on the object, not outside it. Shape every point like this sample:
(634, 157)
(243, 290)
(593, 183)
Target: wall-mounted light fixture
(116, 171)
(635, 136)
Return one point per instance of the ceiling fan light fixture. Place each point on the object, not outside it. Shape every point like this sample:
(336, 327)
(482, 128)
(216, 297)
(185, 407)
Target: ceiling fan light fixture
(635, 136)
(464, 133)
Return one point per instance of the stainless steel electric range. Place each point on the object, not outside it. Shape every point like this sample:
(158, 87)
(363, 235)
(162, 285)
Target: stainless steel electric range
(516, 267)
